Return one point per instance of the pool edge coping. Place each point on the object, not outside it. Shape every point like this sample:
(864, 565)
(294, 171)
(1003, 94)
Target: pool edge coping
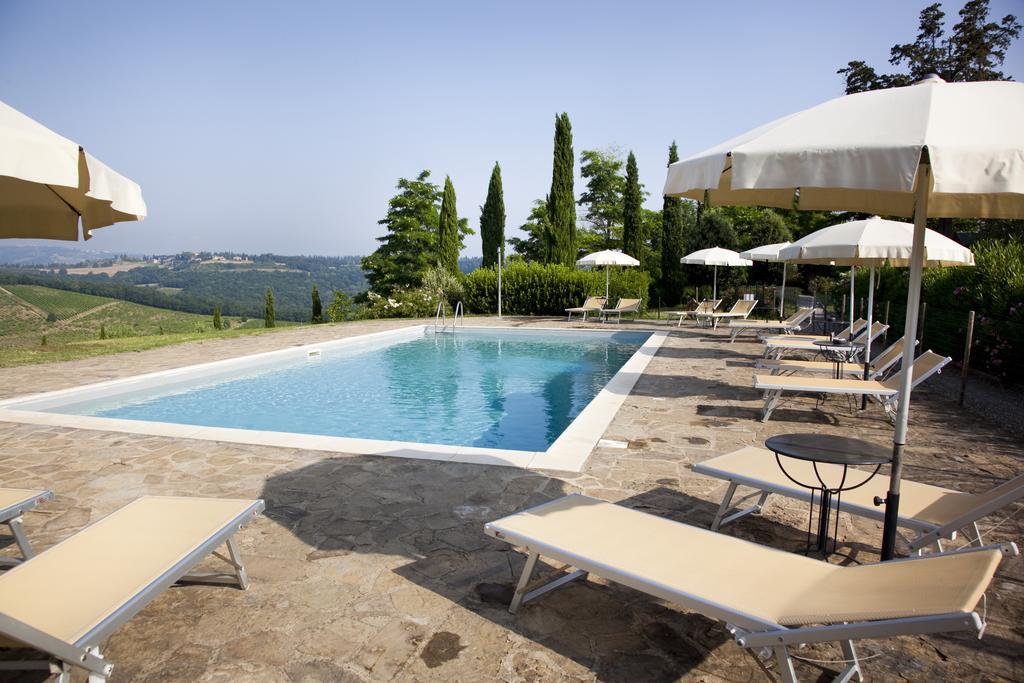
(569, 452)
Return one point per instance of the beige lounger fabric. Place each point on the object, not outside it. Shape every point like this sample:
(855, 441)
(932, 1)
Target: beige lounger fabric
(654, 554)
(18, 497)
(825, 384)
(919, 501)
(68, 589)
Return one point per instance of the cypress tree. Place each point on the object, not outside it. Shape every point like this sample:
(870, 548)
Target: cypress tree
(632, 227)
(492, 219)
(318, 309)
(671, 243)
(217, 324)
(562, 200)
(448, 235)
(268, 309)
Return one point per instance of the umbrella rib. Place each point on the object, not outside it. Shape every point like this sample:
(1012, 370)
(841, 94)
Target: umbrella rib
(57, 194)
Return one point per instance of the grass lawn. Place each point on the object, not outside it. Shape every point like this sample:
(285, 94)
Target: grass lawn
(27, 337)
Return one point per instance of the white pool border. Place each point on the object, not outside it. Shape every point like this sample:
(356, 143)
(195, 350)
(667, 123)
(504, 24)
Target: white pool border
(568, 453)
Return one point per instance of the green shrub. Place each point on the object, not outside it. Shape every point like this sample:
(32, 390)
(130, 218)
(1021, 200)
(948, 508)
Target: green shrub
(539, 289)
(445, 284)
(402, 303)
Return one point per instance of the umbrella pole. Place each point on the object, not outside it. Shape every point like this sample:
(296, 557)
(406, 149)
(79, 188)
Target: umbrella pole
(867, 343)
(899, 439)
(714, 287)
(501, 258)
(606, 302)
(782, 302)
(853, 277)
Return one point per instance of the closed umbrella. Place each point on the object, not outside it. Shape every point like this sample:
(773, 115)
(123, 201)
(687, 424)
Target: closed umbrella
(48, 184)
(925, 150)
(770, 254)
(715, 256)
(607, 258)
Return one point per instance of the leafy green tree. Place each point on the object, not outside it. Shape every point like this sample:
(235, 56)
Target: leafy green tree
(562, 201)
(534, 247)
(318, 309)
(217, 323)
(449, 241)
(973, 52)
(602, 199)
(492, 220)
(268, 309)
(672, 226)
(633, 237)
(650, 227)
(409, 248)
(341, 308)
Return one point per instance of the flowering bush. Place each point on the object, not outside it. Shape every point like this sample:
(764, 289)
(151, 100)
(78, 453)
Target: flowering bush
(403, 302)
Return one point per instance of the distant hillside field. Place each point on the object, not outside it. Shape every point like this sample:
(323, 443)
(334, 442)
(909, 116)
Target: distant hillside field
(78, 322)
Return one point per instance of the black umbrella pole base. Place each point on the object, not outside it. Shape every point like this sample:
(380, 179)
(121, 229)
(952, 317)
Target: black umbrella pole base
(892, 513)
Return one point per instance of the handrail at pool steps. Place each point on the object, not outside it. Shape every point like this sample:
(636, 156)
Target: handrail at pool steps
(441, 317)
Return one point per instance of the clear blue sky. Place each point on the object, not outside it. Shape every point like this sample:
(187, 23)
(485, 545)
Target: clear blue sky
(257, 126)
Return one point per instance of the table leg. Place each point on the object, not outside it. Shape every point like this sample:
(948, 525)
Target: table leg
(824, 509)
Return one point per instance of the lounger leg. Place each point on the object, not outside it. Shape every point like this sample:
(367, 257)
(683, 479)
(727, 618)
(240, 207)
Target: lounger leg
(771, 400)
(724, 506)
(524, 581)
(852, 670)
(236, 560)
(93, 676)
(20, 538)
(786, 672)
(237, 577)
(977, 535)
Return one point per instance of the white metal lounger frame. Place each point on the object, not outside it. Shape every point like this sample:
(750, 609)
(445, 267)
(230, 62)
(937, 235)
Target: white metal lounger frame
(786, 327)
(749, 631)
(928, 533)
(712, 319)
(11, 516)
(888, 400)
(85, 652)
(855, 369)
(778, 346)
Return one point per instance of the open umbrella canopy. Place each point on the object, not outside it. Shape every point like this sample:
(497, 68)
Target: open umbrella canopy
(873, 242)
(607, 258)
(48, 183)
(768, 252)
(862, 152)
(715, 256)
(926, 150)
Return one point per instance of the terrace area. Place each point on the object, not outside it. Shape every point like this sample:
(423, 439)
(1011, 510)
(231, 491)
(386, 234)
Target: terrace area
(377, 568)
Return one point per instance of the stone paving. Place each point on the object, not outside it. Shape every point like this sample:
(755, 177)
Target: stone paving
(376, 568)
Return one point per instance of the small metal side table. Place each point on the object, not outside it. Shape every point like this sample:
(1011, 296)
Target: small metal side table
(835, 450)
(839, 352)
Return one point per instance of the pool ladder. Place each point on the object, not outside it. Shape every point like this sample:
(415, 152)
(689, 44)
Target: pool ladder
(441, 317)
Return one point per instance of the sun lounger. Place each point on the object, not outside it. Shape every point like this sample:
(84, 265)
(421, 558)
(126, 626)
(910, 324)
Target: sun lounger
(768, 598)
(13, 504)
(932, 512)
(786, 327)
(777, 347)
(740, 310)
(67, 600)
(926, 365)
(879, 365)
(624, 306)
(705, 307)
(858, 327)
(593, 304)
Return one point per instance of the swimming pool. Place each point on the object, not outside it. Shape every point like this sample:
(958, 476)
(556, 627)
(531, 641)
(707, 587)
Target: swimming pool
(533, 398)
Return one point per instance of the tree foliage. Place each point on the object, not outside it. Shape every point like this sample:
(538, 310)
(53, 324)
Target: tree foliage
(535, 246)
(561, 200)
(672, 226)
(268, 309)
(633, 237)
(218, 324)
(602, 199)
(410, 246)
(449, 239)
(974, 50)
(492, 220)
(317, 313)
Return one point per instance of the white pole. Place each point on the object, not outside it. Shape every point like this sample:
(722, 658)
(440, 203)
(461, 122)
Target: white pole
(714, 287)
(782, 299)
(899, 438)
(606, 302)
(853, 278)
(501, 258)
(871, 303)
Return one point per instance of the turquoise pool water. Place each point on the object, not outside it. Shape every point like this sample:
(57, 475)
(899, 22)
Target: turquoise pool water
(487, 389)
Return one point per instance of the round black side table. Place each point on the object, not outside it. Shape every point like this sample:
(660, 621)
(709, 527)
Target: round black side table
(835, 450)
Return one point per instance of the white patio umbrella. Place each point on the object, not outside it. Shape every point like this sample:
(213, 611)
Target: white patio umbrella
(48, 183)
(872, 243)
(929, 149)
(770, 254)
(715, 256)
(607, 258)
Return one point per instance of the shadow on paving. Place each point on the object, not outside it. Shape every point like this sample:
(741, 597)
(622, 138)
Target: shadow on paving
(433, 513)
